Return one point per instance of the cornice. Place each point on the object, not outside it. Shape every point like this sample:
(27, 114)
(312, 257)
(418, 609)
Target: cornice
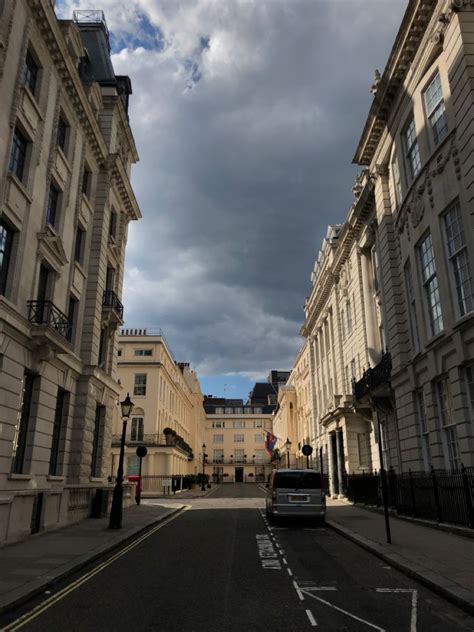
(119, 177)
(385, 89)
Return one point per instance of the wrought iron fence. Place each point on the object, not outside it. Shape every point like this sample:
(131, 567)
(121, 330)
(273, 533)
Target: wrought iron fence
(373, 377)
(110, 299)
(163, 485)
(46, 313)
(439, 495)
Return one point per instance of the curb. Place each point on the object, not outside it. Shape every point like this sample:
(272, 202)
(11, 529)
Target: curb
(449, 590)
(85, 559)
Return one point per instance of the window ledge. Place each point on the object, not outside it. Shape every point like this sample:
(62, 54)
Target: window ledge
(432, 341)
(20, 185)
(19, 477)
(55, 479)
(462, 320)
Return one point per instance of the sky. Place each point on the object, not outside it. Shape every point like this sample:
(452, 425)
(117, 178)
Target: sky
(246, 115)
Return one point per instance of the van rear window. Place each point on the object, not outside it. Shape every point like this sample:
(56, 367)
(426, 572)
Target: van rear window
(297, 480)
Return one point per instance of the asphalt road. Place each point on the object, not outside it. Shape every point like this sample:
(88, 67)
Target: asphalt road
(221, 569)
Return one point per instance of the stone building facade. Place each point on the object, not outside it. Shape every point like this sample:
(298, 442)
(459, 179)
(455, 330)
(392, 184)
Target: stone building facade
(167, 397)
(417, 150)
(234, 437)
(66, 150)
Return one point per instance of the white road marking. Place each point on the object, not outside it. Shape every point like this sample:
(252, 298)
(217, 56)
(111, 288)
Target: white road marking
(290, 573)
(283, 559)
(298, 591)
(312, 620)
(349, 614)
(272, 564)
(414, 602)
(266, 551)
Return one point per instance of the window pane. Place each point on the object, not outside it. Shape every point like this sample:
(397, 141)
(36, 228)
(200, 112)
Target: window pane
(30, 73)
(18, 154)
(6, 239)
(52, 205)
(459, 259)
(430, 283)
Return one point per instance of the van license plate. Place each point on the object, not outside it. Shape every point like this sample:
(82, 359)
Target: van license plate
(298, 499)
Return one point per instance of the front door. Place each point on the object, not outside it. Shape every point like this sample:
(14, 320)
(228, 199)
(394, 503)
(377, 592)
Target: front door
(239, 474)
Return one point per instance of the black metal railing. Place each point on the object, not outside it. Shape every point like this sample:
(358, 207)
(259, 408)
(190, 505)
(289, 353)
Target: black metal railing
(110, 299)
(373, 377)
(46, 313)
(439, 495)
(152, 440)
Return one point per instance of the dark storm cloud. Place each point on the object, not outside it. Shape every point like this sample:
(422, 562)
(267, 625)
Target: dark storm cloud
(245, 146)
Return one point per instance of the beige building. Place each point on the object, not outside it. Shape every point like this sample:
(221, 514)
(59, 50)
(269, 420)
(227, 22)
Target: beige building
(168, 415)
(417, 149)
(234, 437)
(66, 150)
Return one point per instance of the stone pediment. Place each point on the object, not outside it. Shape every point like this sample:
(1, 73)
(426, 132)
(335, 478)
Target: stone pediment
(52, 249)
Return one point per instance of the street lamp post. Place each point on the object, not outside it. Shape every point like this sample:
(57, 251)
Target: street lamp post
(287, 447)
(115, 521)
(203, 487)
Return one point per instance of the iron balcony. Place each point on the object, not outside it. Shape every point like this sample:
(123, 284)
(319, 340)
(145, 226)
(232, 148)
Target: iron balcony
(111, 302)
(373, 378)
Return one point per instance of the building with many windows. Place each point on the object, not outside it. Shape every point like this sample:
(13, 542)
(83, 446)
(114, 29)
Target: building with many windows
(168, 415)
(234, 437)
(416, 148)
(66, 150)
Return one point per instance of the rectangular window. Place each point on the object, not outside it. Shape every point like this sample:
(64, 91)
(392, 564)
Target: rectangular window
(247, 410)
(133, 465)
(143, 352)
(415, 334)
(219, 410)
(258, 423)
(363, 449)
(238, 438)
(21, 431)
(52, 206)
(218, 438)
(239, 423)
(71, 316)
(61, 136)
(59, 426)
(259, 456)
(136, 432)
(229, 411)
(6, 240)
(259, 438)
(101, 360)
(139, 386)
(349, 317)
(448, 426)
(218, 424)
(238, 411)
(86, 182)
(424, 432)
(257, 410)
(18, 154)
(430, 284)
(30, 73)
(113, 226)
(218, 455)
(239, 456)
(96, 440)
(456, 250)
(435, 109)
(412, 152)
(79, 245)
(353, 368)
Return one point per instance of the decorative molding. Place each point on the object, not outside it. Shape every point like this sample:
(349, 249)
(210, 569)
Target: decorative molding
(51, 247)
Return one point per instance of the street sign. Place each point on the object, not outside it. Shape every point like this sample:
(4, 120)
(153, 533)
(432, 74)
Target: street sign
(141, 451)
(307, 450)
(166, 482)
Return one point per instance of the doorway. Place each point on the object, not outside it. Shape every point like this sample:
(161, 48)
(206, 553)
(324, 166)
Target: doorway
(239, 474)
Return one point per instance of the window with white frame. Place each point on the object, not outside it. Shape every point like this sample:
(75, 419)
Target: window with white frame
(353, 368)
(430, 284)
(448, 425)
(238, 410)
(228, 410)
(239, 423)
(343, 324)
(412, 151)
(238, 438)
(139, 386)
(435, 109)
(414, 331)
(247, 410)
(349, 317)
(259, 423)
(218, 455)
(257, 410)
(456, 251)
(259, 456)
(136, 432)
(239, 455)
(259, 438)
(218, 438)
(218, 423)
(219, 410)
(143, 352)
(347, 379)
(423, 426)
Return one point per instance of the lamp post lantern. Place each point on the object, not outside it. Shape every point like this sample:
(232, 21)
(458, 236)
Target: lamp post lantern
(115, 521)
(287, 447)
(203, 486)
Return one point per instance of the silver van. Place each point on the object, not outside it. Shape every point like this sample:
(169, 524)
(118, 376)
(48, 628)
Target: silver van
(295, 493)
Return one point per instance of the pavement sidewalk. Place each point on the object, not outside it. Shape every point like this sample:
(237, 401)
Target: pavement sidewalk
(442, 561)
(32, 566)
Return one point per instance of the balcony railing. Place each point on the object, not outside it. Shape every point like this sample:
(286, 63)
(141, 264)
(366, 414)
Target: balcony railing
(151, 440)
(243, 461)
(46, 313)
(373, 377)
(111, 300)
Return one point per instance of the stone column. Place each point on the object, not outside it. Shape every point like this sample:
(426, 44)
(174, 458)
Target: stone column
(331, 467)
(340, 459)
(373, 345)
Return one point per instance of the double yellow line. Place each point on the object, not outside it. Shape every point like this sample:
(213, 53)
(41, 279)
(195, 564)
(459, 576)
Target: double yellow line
(45, 605)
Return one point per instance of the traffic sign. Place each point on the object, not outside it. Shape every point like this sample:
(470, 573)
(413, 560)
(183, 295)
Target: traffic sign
(141, 451)
(307, 450)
